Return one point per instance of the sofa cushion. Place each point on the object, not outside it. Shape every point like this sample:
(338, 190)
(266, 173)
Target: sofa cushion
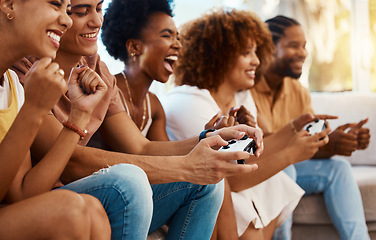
(344, 105)
(311, 209)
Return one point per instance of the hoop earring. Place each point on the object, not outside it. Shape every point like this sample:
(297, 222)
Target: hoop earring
(10, 16)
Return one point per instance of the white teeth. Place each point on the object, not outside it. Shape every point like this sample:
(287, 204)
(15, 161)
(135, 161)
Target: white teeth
(90, 35)
(172, 58)
(54, 36)
(251, 72)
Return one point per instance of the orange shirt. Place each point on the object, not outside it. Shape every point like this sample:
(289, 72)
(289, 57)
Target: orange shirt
(292, 101)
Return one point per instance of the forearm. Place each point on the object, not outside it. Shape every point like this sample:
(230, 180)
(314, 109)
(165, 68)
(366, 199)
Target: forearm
(16, 144)
(170, 148)
(267, 167)
(48, 170)
(85, 161)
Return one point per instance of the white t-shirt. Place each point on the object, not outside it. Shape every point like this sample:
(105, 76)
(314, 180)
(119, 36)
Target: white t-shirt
(5, 95)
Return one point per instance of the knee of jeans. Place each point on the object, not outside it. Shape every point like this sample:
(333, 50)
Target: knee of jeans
(129, 178)
(341, 165)
(215, 192)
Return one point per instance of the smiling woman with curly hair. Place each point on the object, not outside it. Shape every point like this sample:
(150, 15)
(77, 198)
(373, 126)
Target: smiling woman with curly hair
(213, 42)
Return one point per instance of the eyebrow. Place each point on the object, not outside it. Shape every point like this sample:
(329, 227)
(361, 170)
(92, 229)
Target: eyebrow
(85, 5)
(169, 31)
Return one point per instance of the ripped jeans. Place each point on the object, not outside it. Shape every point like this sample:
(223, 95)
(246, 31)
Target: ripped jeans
(126, 195)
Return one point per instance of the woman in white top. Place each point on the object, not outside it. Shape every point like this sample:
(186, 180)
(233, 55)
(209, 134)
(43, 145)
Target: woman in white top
(29, 209)
(221, 53)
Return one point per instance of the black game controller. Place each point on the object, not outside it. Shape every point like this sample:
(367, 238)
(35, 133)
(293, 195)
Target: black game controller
(315, 126)
(244, 144)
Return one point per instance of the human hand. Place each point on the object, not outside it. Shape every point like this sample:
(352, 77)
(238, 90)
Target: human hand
(243, 116)
(44, 84)
(363, 134)
(86, 89)
(299, 122)
(238, 131)
(219, 121)
(205, 165)
(342, 142)
(304, 146)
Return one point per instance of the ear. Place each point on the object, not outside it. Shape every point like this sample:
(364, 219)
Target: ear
(134, 46)
(6, 6)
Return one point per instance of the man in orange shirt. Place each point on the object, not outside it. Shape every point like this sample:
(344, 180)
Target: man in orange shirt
(280, 97)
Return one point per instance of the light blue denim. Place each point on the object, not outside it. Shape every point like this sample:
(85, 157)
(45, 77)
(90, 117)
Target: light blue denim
(125, 194)
(191, 210)
(332, 177)
(129, 200)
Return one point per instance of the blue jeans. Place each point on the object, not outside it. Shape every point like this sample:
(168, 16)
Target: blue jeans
(333, 178)
(191, 210)
(125, 194)
(128, 199)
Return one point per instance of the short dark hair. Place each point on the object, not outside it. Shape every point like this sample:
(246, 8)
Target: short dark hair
(124, 19)
(211, 43)
(278, 24)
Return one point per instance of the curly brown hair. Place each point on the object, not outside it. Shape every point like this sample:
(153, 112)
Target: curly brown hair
(212, 43)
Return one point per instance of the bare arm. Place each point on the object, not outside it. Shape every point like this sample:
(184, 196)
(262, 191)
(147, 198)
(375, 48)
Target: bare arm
(42, 177)
(41, 93)
(157, 130)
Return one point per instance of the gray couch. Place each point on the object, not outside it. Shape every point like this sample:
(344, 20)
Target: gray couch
(311, 220)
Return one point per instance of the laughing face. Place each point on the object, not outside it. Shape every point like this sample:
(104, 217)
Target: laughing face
(160, 47)
(41, 23)
(87, 18)
(242, 75)
(291, 52)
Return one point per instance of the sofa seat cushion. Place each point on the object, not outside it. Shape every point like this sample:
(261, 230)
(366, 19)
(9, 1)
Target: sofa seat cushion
(312, 210)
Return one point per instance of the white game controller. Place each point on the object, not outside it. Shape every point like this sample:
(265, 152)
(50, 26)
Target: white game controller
(316, 126)
(244, 144)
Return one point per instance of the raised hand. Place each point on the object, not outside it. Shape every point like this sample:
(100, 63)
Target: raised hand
(219, 121)
(207, 166)
(44, 84)
(86, 89)
(363, 134)
(243, 116)
(342, 142)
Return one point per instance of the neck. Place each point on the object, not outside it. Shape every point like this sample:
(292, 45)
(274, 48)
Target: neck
(139, 83)
(67, 61)
(274, 79)
(224, 97)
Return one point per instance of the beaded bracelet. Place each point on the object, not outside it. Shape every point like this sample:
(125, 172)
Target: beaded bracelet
(73, 127)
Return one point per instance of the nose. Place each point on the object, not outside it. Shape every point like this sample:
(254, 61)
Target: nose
(177, 44)
(255, 60)
(65, 20)
(303, 52)
(96, 20)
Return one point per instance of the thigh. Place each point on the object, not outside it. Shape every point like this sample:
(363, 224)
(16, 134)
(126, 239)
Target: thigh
(314, 175)
(40, 217)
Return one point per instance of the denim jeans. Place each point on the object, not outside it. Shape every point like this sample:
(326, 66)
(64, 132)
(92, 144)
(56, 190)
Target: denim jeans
(125, 194)
(191, 210)
(128, 199)
(334, 178)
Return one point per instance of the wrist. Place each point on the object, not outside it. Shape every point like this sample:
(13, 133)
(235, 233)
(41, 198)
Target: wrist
(71, 126)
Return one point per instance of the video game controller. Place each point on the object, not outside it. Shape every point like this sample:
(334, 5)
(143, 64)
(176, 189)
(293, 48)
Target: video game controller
(243, 144)
(316, 126)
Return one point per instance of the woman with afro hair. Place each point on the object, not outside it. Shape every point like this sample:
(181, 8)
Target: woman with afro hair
(147, 42)
(222, 52)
